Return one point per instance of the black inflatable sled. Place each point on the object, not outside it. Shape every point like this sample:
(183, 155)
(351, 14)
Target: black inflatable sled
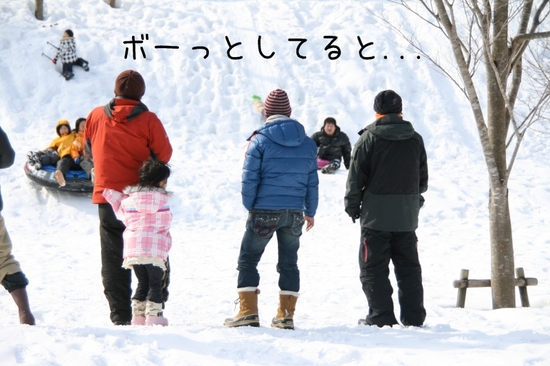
(76, 180)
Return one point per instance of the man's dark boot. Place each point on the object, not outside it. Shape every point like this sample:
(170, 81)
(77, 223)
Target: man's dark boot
(22, 301)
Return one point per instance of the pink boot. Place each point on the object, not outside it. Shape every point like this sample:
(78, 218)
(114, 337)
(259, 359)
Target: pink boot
(156, 320)
(153, 314)
(138, 320)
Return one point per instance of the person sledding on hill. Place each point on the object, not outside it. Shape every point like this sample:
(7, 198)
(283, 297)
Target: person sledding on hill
(333, 145)
(77, 151)
(54, 154)
(66, 53)
(145, 212)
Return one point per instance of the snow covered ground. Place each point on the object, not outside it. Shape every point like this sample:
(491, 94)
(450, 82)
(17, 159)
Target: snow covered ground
(206, 107)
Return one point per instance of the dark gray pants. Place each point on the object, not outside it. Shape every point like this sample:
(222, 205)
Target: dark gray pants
(117, 281)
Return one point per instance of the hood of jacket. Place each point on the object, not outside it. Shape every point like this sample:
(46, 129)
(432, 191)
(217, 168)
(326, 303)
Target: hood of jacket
(146, 199)
(62, 122)
(391, 127)
(124, 110)
(282, 130)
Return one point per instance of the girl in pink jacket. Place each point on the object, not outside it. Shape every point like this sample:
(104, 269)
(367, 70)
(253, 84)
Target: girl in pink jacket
(145, 211)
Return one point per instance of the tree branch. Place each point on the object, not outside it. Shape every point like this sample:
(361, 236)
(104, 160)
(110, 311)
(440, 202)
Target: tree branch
(470, 90)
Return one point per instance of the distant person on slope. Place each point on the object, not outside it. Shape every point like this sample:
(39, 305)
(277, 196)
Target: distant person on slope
(144, 210)
(333, 145)
(66, 52)
(387, 175)
(11, 276)
(119, 137)
(280, 192)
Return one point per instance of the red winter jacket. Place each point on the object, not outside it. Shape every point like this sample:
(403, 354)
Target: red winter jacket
(119, 138)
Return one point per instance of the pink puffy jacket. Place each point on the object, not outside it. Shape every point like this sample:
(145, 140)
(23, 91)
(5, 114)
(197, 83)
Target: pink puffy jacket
(147, 216)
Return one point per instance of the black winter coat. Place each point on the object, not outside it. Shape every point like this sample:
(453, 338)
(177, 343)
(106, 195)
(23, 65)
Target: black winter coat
(7, 156)
(388, 173)
(333, 147)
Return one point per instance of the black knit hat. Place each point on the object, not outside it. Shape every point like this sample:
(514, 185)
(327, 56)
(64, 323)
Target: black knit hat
(69, 32)
(130, 84)
(387, 102)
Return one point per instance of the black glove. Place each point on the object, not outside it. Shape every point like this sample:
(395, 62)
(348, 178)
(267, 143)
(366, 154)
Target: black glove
(354, 213)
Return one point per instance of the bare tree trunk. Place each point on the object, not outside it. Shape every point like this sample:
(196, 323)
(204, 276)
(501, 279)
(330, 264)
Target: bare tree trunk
(489, 20)
(502, 249)
(502, 252)
(39, 9)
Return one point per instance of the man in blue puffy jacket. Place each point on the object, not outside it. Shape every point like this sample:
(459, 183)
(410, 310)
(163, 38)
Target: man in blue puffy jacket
(280, 191)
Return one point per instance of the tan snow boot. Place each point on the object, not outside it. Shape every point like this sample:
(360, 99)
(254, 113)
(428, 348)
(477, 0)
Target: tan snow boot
(248, 314)
(285, 312)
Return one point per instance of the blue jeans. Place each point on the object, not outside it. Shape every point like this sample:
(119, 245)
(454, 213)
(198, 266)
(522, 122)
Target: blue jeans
(260, 227)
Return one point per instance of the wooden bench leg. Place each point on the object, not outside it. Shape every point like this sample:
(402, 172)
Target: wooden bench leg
(461, 298)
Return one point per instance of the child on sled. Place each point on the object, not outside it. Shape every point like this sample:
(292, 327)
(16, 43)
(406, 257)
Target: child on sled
(66, 52)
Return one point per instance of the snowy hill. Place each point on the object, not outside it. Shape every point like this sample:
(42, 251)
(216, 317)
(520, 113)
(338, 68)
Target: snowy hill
(207, 110)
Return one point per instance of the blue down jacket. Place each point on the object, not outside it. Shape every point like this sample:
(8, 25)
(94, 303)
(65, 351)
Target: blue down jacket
(280, 168)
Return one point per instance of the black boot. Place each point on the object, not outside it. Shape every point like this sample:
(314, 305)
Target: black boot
(330, 168)
(22, 301)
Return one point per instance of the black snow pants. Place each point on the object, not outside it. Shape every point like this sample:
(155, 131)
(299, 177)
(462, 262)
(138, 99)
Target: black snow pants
(376, 251)
(117, 281)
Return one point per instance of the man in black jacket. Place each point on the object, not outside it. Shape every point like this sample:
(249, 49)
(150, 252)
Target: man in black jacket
(387, 175)
(333, 144)
(11, 276)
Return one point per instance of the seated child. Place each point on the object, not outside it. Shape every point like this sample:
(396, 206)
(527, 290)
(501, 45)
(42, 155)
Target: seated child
(54, 154)
(77, 151)
(333, 145)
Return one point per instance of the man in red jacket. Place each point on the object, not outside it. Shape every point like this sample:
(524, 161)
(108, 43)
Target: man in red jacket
(119, 137)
